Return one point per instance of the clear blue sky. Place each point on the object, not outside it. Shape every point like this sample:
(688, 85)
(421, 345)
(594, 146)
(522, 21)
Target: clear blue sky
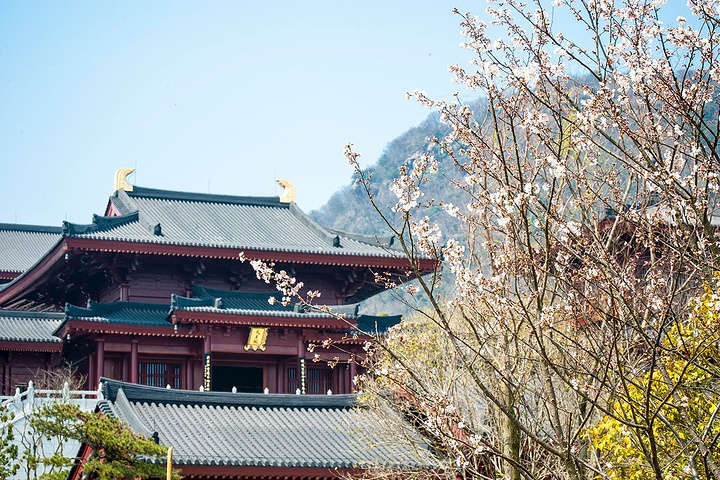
(212, 96)
(205, 96)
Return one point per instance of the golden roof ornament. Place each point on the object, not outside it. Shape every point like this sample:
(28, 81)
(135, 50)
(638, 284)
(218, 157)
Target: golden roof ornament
(121, 182)
(288, 195)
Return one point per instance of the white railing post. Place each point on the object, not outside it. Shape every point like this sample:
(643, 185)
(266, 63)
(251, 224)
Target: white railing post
(30, 398)
(17, 401)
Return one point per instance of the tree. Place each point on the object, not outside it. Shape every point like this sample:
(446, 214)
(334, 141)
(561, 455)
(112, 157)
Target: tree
(118, 452)
(8, 449)
(684, 399)
(591, 178)
(590, 173)
(40, 456)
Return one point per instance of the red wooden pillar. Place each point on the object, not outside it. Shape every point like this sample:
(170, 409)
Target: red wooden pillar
(189, 374)
(134, 361)
(5, 387)
(280, 381)
(207, 341)
(100, 357)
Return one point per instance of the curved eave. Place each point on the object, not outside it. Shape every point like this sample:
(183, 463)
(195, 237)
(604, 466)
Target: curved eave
(29, 346)
(30, 277)
(7, 275)
(183, 317)
(73, 327)
(164, 249)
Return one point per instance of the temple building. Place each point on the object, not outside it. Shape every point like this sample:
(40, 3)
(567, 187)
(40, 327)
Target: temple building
(153, 292)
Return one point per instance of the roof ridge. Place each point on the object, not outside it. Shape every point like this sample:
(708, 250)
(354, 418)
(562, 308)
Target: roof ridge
(159, 395)
(19, 227)
(383, 241)
(100, 223)
(124, 204)
(104, 308)
(122, 405)
(205, 197)
(32, 313)
(313, 225)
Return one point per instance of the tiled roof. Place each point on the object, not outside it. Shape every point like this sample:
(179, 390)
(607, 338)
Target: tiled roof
(27, 326)
(251, 303)
(208, 300)
(220, 221)
(21, 246)
(256, 304)
(127, 313)
(256, 430)
(233, 299)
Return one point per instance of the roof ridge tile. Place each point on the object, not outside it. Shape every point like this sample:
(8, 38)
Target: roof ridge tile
(19, 227)
(145, 192)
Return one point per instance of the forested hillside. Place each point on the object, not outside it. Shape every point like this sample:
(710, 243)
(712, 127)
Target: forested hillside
(349, 209)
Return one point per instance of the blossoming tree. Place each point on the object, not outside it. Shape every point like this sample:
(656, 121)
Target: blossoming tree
(590, 170)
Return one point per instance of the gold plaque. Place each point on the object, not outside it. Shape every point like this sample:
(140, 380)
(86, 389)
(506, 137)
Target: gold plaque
(256, 339)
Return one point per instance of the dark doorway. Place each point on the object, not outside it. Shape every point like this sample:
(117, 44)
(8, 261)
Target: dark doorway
(245, 379)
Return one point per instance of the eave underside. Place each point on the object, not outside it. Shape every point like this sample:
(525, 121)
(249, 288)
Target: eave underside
(62, 276)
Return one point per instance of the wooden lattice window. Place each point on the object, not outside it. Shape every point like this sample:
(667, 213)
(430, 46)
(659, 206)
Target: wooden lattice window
(292, 379)
(160, 374)
(319, 380)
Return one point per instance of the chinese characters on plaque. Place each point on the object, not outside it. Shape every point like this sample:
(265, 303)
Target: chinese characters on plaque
(257, 339)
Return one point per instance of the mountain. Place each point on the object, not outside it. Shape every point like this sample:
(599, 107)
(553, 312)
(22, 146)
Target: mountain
(349, 209)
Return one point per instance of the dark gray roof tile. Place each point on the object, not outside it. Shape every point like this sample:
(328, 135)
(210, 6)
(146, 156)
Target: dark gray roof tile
(21, 246)
(261, 430)
(27, 326)
(220, 221)
(212, 300)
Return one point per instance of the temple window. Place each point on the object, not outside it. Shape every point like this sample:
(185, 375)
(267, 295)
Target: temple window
(319, 380)
(159, 374)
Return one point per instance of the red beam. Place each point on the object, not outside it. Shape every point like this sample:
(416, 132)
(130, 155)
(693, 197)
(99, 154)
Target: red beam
(295, 473)
(7, 345)
(83, 326)
(183, 317)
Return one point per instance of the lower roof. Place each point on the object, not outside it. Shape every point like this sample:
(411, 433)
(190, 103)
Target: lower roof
(43, 329)
(214, 429)
(28, 326)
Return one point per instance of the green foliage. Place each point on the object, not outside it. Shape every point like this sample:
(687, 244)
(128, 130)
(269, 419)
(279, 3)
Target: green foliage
(667, 418)
(8, 450)
(118, 452)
